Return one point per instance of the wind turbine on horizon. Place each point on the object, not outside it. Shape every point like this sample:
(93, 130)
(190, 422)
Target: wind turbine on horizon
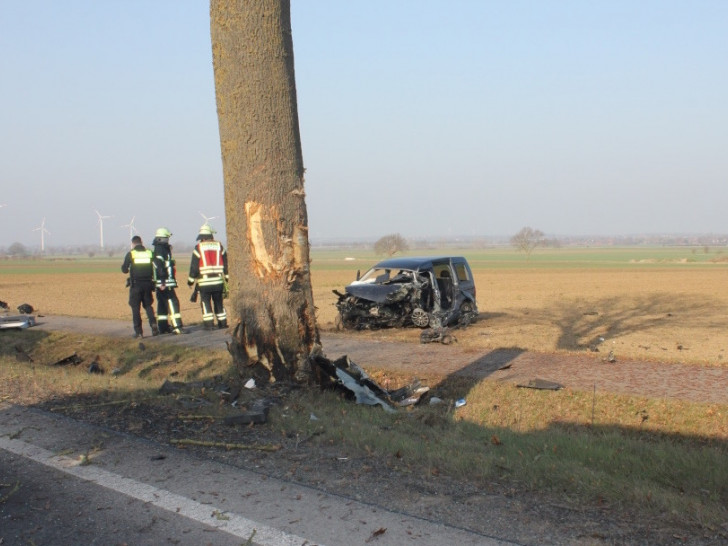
(208, 218)
(43, 232)
(101, 228)
(132, 228)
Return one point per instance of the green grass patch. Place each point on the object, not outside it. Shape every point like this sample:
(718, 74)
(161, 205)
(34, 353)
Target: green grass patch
(563, 258)
(522, 443)
(60, 266)
(480, 258)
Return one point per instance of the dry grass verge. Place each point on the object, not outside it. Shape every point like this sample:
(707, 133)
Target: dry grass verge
(652, 460)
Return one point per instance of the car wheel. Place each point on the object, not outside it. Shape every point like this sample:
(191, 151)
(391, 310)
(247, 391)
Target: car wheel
(466, 313)
(420, 318)
(343, 324)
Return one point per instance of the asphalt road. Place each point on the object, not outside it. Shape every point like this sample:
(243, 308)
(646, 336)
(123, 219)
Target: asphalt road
(65, 483)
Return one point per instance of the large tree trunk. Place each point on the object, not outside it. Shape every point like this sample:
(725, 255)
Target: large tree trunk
(267, 224)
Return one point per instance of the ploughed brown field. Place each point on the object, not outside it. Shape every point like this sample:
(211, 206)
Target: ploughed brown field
(660, 314)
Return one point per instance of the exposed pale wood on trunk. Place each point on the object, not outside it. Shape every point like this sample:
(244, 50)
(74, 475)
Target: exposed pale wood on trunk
(267, 224)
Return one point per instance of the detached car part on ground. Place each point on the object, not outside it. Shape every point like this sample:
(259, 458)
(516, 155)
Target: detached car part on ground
(428, 291)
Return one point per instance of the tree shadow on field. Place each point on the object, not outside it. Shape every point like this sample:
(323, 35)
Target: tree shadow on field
(583, 324)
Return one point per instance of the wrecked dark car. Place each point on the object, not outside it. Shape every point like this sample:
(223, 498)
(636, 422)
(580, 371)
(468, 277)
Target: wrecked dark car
(415, 291)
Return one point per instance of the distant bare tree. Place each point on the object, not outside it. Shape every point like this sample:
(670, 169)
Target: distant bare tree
(391, 244)
(527, 239)
(17, 249)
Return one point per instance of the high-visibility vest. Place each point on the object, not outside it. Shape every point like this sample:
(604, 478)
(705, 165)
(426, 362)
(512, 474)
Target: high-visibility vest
(212, 267)
(141, 265)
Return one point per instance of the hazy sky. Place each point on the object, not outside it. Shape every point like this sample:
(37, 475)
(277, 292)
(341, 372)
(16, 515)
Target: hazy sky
(418, 117)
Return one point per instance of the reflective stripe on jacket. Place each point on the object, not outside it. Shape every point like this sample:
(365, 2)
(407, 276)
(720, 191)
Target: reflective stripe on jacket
(164, 267)
(208, 264)
(141, 268)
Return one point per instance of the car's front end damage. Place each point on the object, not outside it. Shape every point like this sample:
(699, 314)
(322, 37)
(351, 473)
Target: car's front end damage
(370, 306)
(389, 296)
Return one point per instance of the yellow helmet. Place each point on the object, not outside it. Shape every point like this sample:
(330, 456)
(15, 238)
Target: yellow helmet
(162, 232)
(206, 229)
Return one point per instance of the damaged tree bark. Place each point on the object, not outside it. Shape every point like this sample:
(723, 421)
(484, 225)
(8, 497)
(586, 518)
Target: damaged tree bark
(267, 224)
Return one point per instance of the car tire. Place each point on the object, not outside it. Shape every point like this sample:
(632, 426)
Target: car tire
(420, 318)
(466, 313)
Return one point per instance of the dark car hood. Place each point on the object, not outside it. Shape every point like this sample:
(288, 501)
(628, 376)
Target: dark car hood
(379, 293)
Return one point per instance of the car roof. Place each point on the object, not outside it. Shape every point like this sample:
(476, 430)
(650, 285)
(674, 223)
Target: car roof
(414, 262)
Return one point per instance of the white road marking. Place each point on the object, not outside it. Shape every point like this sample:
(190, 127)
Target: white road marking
(228, 522)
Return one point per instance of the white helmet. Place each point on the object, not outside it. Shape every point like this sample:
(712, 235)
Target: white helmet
(206, 229)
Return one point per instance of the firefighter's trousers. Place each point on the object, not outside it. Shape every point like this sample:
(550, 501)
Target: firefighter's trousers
(169, 318)
(212, 306)
(140, 295)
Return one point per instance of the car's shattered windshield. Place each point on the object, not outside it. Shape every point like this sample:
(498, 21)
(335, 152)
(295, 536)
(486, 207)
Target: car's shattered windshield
(380, 275)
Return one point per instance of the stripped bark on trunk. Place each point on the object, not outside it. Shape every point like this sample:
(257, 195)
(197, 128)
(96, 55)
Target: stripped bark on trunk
(267, 226)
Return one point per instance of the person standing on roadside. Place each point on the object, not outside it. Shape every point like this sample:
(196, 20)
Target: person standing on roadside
(169, 319)
(138, 264)
(209, 272)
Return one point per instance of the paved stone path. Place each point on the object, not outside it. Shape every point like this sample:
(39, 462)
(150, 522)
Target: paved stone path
(580, 372)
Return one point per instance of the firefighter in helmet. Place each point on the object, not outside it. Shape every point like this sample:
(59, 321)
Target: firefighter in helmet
(169, 318)
(138, 264)
(209, 275)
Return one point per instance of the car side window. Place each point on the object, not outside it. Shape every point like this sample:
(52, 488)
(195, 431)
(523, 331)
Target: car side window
(462, 272)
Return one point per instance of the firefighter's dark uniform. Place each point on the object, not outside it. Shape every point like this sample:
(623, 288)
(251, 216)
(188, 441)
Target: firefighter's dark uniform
(138, 264)
(169, 319)
(209, 268)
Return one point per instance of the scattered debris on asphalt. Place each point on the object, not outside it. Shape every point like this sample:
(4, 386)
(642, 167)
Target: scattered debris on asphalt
(375, 534)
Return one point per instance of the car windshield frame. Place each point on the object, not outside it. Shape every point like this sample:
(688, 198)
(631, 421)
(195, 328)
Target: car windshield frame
(385, 275)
